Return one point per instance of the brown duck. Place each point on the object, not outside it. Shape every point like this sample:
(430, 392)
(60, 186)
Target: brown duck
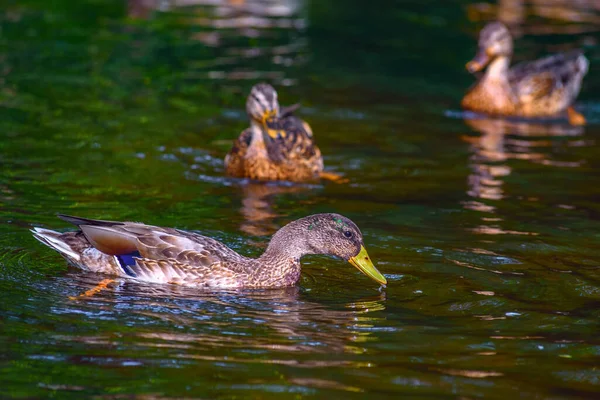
(542, 88)
(167, 255)
(277, 145)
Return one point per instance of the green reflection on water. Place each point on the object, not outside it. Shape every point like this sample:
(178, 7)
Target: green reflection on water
(486, 231)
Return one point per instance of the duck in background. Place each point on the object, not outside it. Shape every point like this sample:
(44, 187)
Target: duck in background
(277, 145)
(541, 88)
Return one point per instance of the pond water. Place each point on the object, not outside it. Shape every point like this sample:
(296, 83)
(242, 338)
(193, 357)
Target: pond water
(487, 231)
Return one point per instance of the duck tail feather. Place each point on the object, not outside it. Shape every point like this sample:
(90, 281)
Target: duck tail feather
(54, 240)
(86, 221)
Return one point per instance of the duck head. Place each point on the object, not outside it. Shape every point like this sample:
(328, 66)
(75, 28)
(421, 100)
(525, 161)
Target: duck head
(330, 234)
(494, 41)
(262, 103)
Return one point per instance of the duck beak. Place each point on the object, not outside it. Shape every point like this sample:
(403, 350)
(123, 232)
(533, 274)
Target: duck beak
(363, 263)
(479, 62)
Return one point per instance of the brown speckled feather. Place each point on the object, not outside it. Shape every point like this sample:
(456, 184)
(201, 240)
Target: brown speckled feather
(166, 255)
(293, 143)
(562, 66)
(234, 161)
(173, 256)
(549, 85)
(289, 153)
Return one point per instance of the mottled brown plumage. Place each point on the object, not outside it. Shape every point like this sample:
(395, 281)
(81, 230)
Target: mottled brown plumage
(167, 255)
(542, 88)
(276, 146)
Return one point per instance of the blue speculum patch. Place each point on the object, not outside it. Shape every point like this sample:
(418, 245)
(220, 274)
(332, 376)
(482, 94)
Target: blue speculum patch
(127, 261)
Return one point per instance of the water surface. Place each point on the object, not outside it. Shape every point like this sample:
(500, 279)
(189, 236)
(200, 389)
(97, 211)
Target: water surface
(487, 231)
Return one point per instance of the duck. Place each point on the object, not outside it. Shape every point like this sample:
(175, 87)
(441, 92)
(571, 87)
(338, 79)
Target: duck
(541, 88)
(277, 146)
(154, 254)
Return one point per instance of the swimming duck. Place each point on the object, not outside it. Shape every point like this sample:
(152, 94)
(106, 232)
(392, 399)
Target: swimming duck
(277, 145)
(167, 255)
(542, 88)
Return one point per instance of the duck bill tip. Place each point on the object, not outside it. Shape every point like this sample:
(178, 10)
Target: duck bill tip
(472, 67)
(478, 63)
(363, 263)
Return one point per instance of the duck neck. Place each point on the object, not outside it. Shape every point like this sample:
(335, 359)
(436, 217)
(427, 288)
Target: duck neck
(498, 68)
(281, 261)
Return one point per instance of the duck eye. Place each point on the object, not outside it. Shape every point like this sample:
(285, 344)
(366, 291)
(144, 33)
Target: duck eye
(348, 234)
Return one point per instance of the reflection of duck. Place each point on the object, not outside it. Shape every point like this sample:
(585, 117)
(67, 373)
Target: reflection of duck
(288, 317)
(502, 140)
(257, 206)
(540, 16)
(167, 255)
(277, 146)
(544, 87)
(257, 39)
(289, 324)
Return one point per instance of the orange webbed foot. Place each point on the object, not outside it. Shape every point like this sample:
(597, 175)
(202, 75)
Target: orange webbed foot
(575, 118)
(89, 293)
(331, 176)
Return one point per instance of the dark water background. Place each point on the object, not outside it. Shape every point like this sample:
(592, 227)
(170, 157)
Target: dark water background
(487, 231)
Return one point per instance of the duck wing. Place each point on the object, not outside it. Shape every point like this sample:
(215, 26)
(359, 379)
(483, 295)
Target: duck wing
(241, 144)
(155, 253)
(291, 140)
(537, 79)
(534, 87)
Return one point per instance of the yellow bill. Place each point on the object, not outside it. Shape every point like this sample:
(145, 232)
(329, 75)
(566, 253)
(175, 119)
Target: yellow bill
(363, 263)
(479, 62)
